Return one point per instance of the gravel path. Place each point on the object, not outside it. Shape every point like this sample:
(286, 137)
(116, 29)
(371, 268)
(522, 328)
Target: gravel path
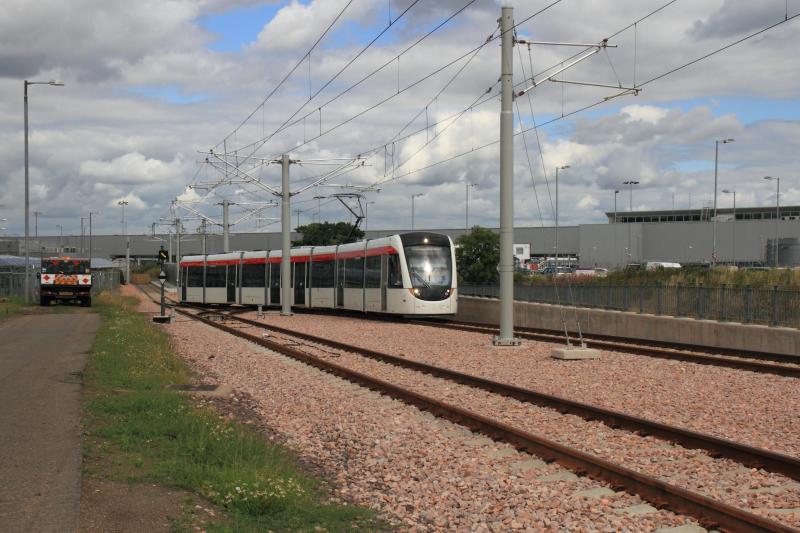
(758, 409)
(420, 472)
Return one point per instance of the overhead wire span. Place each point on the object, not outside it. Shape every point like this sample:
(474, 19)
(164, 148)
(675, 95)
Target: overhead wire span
(599, 102)
(259, 143)
(288, 74)
(263, 141)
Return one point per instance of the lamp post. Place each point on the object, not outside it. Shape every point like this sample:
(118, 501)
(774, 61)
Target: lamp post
(123, 203)
(366, 217)
(91, 250)
(630, 184)
(726, 191)
(27, 180)
(556, 254)
(60, 237)
(413, 197)
(777, 213)
(616, 192)
(716, 164)
(467, 185)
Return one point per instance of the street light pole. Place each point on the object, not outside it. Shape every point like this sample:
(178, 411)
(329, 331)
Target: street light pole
(630, 184)
(716, 164)
(123, 203)
(60, 237)
(91, 249)
(557, 169)
(616, 192)
(467, 185)
(27, 183)
(413, 196)
(726, 191)
(777, 213)
(366, 217)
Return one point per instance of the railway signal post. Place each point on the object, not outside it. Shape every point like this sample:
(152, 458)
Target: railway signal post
(163, 318)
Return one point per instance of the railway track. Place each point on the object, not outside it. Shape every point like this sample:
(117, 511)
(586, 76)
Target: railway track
(708, 511)
(690, 354)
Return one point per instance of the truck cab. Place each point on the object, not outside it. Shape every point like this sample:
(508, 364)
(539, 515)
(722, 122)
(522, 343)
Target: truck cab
(65, 279)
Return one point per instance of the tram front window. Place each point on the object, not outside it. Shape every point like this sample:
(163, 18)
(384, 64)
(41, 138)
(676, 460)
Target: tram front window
(431, 271)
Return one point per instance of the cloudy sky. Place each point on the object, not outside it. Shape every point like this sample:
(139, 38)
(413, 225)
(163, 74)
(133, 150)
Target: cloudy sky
(152, 85)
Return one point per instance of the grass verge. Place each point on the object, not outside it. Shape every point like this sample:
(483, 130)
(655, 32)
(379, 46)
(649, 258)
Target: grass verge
(155, 434)
(10, 306)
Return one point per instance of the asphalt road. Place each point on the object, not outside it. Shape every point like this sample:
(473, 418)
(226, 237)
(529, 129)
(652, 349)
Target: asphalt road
(42, 358)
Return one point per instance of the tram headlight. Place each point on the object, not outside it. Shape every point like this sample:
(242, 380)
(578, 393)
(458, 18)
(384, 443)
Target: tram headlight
(416, 292)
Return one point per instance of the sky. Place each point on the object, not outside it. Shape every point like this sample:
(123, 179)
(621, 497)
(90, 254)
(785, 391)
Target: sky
(408, 89)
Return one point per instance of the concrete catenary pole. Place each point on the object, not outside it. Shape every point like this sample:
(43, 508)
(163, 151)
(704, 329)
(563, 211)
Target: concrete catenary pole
(286, 244)
(226, 227)
(506, 266)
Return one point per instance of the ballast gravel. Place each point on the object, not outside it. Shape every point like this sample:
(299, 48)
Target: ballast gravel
(761, 410)
(420, 472)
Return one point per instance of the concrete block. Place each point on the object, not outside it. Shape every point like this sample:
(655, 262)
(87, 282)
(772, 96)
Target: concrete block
(595, 494)
(479, 441)
(574, 354)
(529, 464)
(498, 454)
(686, 528)
(636, 510)
(560, 476)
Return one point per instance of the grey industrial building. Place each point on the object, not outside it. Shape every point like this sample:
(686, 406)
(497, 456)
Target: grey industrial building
(684, 236)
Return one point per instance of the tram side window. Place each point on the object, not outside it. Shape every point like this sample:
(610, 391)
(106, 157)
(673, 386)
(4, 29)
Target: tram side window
(354, 279)
(322, 274)
(373, 275)
(253, 276)
(215, 276)
(194, 276)
(395, 274)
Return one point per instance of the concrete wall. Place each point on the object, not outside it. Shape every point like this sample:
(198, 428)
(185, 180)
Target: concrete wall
(633, 325)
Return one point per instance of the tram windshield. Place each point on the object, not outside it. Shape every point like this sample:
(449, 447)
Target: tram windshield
(429, 266)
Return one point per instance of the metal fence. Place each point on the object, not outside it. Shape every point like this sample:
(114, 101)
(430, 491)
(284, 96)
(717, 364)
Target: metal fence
(748, 305)
(12, 282)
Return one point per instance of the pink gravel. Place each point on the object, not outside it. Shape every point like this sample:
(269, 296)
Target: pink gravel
(421, 473)
(758, 409)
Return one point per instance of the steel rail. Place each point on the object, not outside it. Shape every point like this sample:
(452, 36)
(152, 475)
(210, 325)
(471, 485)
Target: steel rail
(633, 348)
(709, 512)
(748, 455)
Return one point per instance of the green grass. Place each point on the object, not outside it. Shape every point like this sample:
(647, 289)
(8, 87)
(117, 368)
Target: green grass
(11, 306)
(156, 434)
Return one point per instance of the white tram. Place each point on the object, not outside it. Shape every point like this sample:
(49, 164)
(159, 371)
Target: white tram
(408, 274)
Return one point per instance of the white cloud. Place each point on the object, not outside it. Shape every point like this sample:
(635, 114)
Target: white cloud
(133, 169)
(643, 113)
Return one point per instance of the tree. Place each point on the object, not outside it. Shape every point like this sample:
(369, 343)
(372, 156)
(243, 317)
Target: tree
(328, 233)
(477, 256)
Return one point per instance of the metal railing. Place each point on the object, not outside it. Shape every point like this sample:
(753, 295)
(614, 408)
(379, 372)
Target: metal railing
(772, 306)
(12, 283)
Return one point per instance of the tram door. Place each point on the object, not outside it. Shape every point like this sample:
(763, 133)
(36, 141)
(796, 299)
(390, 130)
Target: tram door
(340, 283)
(300, 283)
(184, 281)
(384, 270)
(231, 284)
(275, 283)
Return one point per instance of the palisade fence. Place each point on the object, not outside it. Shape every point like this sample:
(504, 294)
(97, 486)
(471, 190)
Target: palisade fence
(12, 282)
(748, 305)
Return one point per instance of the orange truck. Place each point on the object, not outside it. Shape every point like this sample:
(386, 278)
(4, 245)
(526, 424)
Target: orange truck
(65, 279)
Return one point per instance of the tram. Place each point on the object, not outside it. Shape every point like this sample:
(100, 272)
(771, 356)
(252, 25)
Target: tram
(406, 274)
